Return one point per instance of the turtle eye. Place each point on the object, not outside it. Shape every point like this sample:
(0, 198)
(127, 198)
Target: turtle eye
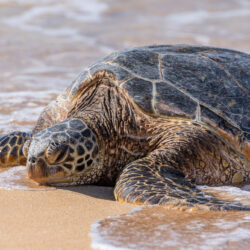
(57, 153)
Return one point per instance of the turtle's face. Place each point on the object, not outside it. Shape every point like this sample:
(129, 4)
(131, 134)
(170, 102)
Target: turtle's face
(66, 153)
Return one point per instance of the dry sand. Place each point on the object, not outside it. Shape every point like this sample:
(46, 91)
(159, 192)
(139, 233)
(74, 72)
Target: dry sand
(56, 219)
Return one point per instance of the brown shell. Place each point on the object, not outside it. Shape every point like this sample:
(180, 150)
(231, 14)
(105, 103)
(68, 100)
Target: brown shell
(206, 84)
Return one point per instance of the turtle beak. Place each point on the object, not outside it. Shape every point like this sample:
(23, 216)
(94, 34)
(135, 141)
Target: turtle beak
(41, 173)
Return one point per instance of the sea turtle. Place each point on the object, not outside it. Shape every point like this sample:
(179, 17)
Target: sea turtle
(153, 121)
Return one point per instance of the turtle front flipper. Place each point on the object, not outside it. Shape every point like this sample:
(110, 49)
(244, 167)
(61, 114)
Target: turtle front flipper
(12, 149)
(147, 181)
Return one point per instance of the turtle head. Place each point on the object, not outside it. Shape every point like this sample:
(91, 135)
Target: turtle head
(64, 154)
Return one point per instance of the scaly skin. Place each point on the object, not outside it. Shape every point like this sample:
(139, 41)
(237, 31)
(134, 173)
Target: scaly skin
(11, 149)
(127, 134)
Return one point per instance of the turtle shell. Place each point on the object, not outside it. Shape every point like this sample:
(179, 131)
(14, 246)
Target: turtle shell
(206, 84)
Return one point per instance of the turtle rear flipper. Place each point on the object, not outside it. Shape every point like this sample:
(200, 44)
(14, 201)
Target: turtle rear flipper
(11, 149)
(149, 182)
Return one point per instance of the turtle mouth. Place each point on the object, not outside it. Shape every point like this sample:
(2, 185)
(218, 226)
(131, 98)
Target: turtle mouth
(40, 172)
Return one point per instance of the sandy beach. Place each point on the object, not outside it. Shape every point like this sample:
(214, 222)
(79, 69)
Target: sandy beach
(56, 219)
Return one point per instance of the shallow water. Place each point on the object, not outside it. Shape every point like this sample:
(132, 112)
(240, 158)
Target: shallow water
(155, 227)
(159, 228)
(44, 45)
(16, 179)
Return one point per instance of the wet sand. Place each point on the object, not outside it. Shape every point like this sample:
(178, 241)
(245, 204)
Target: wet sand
(39, 217)
(56, 219)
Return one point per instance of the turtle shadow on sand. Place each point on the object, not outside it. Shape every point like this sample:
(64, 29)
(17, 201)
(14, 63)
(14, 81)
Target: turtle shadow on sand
(99, 192)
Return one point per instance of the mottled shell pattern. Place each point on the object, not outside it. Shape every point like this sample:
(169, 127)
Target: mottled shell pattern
(206, 84)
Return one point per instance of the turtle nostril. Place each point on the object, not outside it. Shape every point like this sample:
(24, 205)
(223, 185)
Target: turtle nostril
(32, 160)
(37, 169)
